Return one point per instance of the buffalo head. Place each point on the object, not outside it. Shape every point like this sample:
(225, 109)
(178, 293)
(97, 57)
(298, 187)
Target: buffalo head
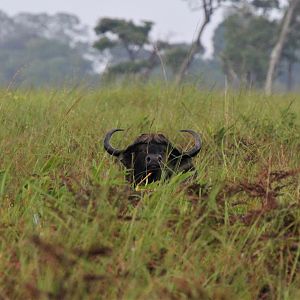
(152, 155)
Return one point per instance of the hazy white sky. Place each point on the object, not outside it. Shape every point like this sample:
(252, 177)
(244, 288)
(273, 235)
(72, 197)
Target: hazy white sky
(173, 18)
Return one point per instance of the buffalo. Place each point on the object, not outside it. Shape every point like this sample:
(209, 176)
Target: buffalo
(152, 157)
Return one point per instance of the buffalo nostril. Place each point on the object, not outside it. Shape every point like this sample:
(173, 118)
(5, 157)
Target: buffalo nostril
(148, 159)
(159, 158)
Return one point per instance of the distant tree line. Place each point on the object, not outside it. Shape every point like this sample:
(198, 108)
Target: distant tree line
(43, 50)
(251, 49)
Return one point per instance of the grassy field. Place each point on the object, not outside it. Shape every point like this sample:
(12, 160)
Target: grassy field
(72, 228)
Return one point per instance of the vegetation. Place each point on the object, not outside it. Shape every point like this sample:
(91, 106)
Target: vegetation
(142, 56)
(42, 50)
(247, 48)
(243, 44)
(72, 228)
(52, 50)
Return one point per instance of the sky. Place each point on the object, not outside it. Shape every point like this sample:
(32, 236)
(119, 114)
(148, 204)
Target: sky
(174, 20)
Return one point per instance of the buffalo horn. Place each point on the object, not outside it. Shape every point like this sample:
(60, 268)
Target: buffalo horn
(195, 150)
(107, 145)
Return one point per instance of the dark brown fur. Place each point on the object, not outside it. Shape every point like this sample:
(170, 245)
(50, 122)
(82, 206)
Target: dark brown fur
(134, 161)
(152, 157)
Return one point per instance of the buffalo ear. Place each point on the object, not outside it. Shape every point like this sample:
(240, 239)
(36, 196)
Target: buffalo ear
(175, 153)
(174, 158)
(126, 158)
(180, 162)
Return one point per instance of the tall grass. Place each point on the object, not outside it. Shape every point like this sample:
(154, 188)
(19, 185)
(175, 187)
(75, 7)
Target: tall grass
(72, 228)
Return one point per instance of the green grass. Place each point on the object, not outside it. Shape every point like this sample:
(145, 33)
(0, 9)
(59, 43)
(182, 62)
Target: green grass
(70, 227)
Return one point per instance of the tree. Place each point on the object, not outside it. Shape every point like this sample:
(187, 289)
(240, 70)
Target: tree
(175, 55)
(208, 8)
(248, 31)
(135, 39)
(42, 50)
(291, 52)
(62, 27)
(246, 48)
(277, 51)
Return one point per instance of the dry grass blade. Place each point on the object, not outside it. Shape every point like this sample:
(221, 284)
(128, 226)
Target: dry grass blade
(96, 251)
(54, 253)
